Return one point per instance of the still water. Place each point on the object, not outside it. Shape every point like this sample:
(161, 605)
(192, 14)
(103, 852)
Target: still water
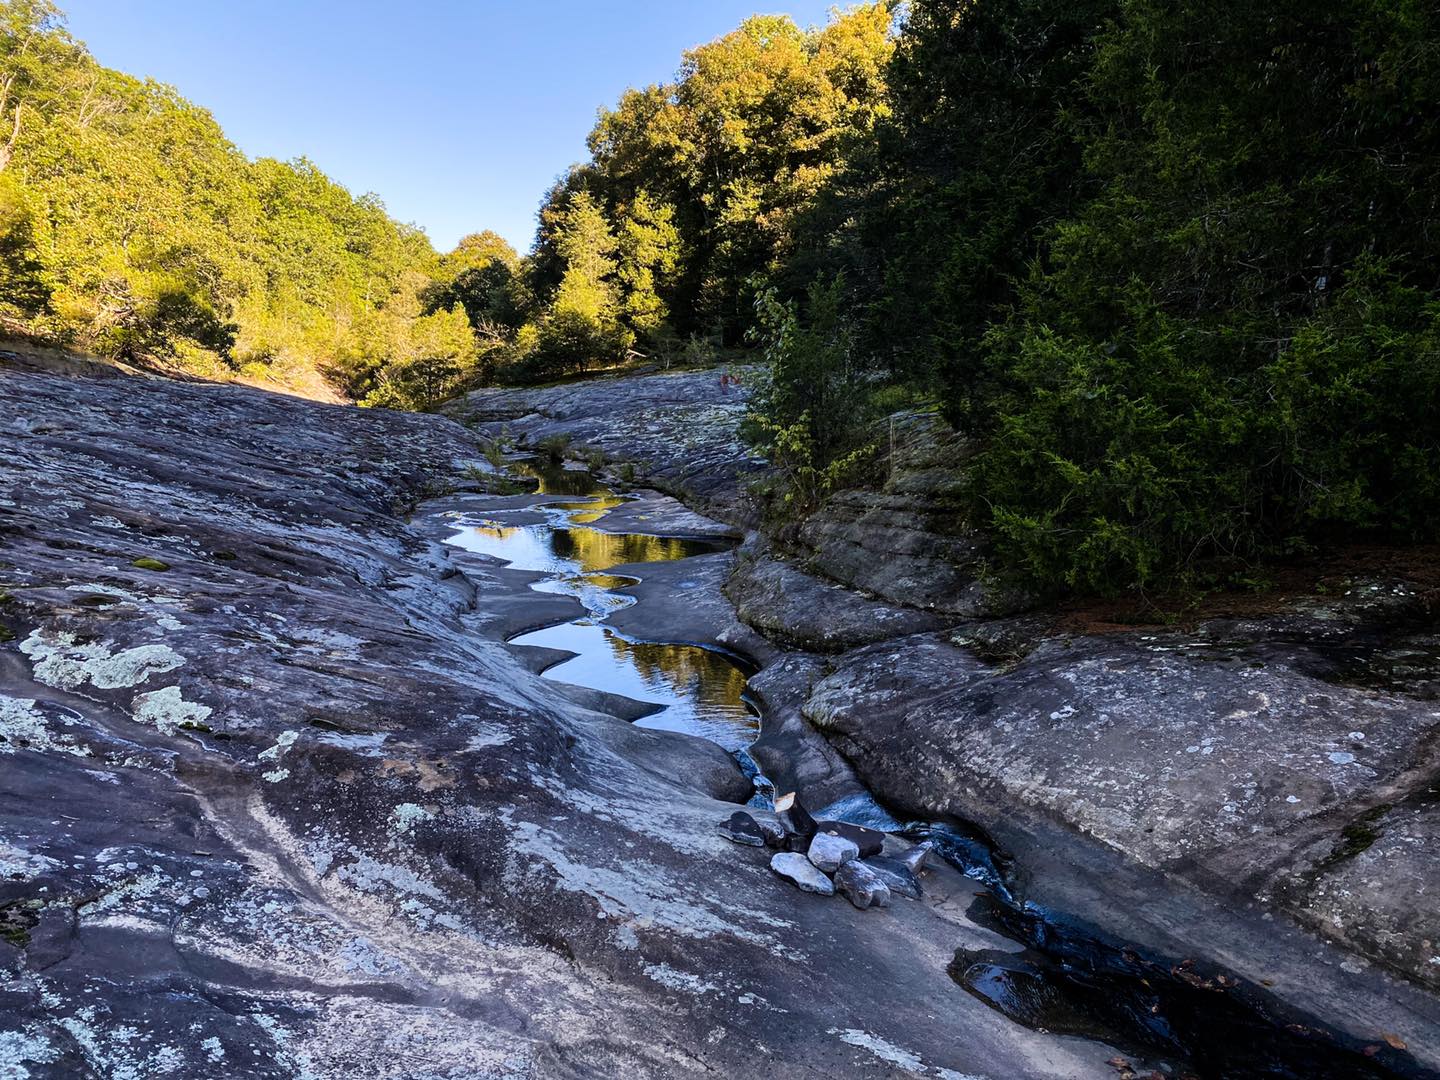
(693, 689)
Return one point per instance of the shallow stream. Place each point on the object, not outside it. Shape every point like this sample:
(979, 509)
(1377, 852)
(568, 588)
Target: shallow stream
(1186, 1018)
(693, 689)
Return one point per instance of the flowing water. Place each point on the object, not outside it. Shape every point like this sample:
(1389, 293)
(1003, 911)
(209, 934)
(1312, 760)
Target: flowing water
(692, 689)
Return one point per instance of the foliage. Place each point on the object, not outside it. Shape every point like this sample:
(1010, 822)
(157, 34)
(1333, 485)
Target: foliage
(130, 224)
(1174, 265)
(701, 178)
(810, 413)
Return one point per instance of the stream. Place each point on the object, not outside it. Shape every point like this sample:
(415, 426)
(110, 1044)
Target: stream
(692, 689)
(1184, 1018)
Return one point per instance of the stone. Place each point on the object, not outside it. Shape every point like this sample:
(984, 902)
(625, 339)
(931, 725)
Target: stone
(1225, 754)
(916, 857)
(868, 841)
(741, 828)
(896, 875)
(830, 852)
(799, 826)
(798, 869)
(773, 832)
(861, 885)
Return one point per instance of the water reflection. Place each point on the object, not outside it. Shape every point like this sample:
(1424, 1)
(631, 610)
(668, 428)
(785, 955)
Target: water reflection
(698, 690)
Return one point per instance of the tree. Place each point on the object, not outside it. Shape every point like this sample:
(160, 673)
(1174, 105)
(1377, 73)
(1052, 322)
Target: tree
(649, 256)
(587, 248)
(34, 51)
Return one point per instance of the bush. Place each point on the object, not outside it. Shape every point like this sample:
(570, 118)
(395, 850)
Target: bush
(1153, 459)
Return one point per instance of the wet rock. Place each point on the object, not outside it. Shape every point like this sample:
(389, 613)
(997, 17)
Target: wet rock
(789, 750)
(829, 852)
(1220, 761)
(743, 829)
(798, 869)
(915, 859)
(773, 832)
(861, 885)
(799, 826)
(679, 431)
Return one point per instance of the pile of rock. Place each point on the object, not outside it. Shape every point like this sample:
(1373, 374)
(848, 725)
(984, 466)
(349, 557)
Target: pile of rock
(828, 856)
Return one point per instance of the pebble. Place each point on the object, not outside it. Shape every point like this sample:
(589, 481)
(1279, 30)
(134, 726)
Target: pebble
(797, 868)
(862, 886)
(829, 852)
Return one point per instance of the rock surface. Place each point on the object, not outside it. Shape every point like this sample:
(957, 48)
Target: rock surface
(829, 852)
(1186, 753)
(290, 807)
(861, 885)
(802, 611)
(679, 430)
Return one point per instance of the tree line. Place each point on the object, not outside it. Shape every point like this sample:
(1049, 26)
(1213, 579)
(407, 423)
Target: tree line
(1174, 270)
(130, 225)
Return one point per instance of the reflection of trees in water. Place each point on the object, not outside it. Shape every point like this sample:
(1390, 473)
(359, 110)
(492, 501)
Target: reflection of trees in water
(555, 479)
(595, 550)
(690, 671)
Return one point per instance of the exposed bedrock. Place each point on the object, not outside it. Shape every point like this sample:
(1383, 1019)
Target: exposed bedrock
(678, 430)
(1246, 766)
(276, 800)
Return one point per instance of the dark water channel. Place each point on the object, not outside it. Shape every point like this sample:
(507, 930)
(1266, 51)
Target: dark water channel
(693, 689)
(1175, 1018)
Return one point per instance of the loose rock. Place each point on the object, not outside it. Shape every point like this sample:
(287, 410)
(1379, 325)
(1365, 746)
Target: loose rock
(830, 852)
(743, 829)
(869, 841)
(797, 868)
(861, 885)
(896, 875)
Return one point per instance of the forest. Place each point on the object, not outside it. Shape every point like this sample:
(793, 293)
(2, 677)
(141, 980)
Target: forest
(1174, 270)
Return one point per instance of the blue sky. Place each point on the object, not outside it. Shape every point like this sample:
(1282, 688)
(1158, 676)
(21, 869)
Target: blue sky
(459, 115)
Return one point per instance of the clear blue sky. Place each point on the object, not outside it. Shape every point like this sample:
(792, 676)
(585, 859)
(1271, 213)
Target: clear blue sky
(458, 114)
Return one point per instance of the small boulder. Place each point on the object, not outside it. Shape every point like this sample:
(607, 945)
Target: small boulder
(862, 886)
(869, 841)
(798, 869)
(743, 829)
(830, 852)
(916, 857)
(896, 875)
(773, 832)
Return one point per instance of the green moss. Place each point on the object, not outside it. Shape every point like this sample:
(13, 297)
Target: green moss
(17, 919)
(147, 563)
(1356, 837)
(195, 725)
(224, 556)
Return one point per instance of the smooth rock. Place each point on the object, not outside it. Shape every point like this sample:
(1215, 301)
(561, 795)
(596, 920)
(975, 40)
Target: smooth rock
(915, 858)
(773, 832)
(868, 841)
(830, 852)
(796, 867)
(896, 875)
(862, 886)
(742, 829)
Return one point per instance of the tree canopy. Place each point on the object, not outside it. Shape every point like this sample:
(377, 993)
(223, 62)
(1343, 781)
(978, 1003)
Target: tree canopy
(131, 225)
